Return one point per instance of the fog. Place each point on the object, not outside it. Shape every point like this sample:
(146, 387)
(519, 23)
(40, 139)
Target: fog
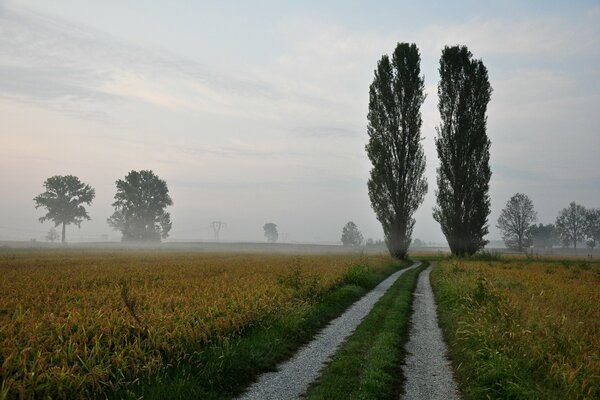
(256, 112)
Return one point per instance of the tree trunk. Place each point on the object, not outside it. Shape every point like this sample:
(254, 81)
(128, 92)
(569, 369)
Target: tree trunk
(396, 243)
(63, 232)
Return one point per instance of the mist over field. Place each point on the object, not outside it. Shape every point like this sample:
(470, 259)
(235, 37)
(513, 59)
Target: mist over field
(256, 112)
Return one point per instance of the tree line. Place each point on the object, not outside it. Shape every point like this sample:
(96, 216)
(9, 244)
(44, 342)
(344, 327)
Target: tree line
(574, 224)
(140, 205)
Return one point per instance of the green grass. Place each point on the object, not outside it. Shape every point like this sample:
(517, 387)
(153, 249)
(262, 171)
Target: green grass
(368, 365)
(517, 329)
(224, 370)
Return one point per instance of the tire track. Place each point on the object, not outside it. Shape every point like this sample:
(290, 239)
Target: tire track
(427, 371)
(294, 376)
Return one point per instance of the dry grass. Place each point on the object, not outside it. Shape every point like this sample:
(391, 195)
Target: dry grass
(521, 329)
(78, 324)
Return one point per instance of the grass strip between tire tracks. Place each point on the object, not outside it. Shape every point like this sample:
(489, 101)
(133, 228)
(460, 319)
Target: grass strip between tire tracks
(368, 365)
(223, 371)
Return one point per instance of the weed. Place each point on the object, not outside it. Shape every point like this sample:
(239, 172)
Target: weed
(360, 275)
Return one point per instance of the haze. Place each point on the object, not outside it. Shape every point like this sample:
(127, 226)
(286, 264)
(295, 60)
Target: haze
(255, 112)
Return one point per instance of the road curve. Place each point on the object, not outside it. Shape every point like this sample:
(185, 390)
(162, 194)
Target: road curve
(427, 371)
(294, 376)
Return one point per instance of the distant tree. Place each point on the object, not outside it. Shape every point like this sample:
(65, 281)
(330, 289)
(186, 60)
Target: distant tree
(140, 204)
(463, 148)
(592, 227)
(64, 199)
(271, 232)
(351, 236)
(544, 236)
(370, 242)
(571, 223)
(52, 235)
(516, 220)
(418, 243)
(397, 185)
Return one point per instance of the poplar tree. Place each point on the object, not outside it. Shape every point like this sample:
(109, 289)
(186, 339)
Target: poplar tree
(396, 186)
(463, 148)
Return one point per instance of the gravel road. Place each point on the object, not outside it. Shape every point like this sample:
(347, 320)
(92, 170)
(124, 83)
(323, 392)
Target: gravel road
(427, 370)
(294, 376)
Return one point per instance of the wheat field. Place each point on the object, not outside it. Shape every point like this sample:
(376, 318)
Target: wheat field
(83, 323)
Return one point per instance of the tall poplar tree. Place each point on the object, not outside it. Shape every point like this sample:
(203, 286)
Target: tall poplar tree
(463, 148)
(397, 185)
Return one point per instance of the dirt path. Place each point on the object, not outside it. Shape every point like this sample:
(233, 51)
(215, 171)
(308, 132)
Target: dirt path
(295, 375)
(428, 372)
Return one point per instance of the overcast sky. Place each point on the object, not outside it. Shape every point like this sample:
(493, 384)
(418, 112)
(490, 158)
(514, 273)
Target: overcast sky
(256, 111)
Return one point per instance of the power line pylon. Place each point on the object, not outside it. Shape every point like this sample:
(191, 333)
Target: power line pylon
(216, 227)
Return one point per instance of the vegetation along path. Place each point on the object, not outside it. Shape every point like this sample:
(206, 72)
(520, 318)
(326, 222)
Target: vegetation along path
(294, 376)
(427, 371)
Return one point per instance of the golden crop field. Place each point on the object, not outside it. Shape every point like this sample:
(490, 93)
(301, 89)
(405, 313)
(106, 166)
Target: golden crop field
(522, 329)
(80, 323)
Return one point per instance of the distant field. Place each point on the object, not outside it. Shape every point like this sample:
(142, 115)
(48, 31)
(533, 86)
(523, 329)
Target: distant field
(85, 323)
(522, 329)
(206, 247)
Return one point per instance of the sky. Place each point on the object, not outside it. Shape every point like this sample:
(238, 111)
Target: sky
(255, 112)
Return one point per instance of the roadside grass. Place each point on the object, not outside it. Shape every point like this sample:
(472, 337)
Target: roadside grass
(521, 329)
(224, 370)
(368, 364)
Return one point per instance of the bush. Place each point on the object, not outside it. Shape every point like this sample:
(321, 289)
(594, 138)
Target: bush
(361, 275)
(484, 255)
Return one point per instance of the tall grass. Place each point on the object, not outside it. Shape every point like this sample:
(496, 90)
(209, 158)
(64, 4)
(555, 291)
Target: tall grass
(522, 329)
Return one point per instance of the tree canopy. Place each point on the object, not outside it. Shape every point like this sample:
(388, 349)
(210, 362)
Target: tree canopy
(351, 236)
(463, 148)
(592, 227)
(516, 220)
(544, 236)
(570, 224)
(140, 207)
(271, 232)
(397, 185)
(64, 200)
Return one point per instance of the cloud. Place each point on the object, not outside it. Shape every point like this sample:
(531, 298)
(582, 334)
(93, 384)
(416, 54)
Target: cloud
(59, 64)
(327, 132)
(547, 36)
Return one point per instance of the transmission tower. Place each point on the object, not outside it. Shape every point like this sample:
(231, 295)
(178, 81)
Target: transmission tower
(216, 227)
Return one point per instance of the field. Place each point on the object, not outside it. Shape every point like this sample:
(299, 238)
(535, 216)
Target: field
(76, 324)
(522, 329)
